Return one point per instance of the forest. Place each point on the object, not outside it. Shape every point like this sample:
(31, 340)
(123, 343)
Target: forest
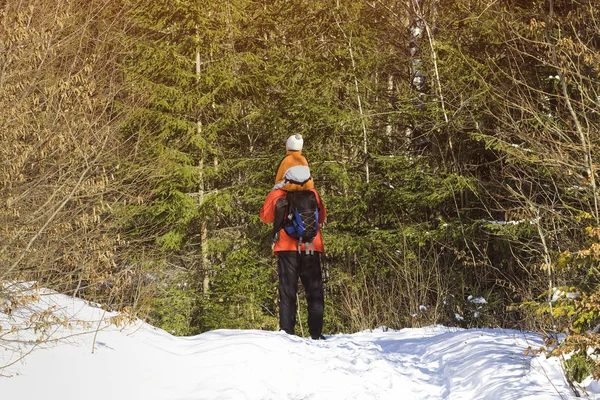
(455, 144)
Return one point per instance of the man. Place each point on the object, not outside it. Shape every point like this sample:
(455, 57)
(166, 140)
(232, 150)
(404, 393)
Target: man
(295, 260)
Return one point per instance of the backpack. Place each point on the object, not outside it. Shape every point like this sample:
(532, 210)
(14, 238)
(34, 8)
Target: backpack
(301, 217)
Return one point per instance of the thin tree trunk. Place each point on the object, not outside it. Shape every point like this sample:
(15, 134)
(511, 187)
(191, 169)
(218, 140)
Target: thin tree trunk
(547, 260)
(417, 78)
(359, 100)
(431, 40)
(390, 88)
(201, 191)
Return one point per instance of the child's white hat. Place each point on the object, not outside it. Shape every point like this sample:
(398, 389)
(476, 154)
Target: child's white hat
(294, 142)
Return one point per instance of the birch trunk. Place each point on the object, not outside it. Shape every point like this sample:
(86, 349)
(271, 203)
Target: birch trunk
(418, 80)
(201, 191)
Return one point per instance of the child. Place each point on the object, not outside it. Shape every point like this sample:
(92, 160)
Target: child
(293, 173)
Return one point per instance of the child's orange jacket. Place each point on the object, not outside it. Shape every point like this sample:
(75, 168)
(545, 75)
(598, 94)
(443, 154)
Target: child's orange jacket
(293, 173)
(286, 242)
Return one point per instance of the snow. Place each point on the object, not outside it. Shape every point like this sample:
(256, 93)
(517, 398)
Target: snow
(477, 300)
(504, 222)
(558, 294)
(95, 359)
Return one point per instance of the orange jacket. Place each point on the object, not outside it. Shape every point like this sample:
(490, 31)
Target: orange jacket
(286, 242)
(292, 160)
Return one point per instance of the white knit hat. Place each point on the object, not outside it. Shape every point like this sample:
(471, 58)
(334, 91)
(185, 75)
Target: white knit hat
(294, 142)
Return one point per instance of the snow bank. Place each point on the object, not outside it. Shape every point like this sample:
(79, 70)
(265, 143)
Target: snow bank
(99, 360)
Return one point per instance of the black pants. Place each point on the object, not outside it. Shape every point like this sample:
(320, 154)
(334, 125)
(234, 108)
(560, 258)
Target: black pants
(291, 266)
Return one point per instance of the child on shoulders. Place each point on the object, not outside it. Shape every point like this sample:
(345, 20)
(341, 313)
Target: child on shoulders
(293, 173)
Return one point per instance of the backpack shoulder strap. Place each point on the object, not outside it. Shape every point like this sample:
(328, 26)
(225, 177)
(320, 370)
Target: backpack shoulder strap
(280, 214)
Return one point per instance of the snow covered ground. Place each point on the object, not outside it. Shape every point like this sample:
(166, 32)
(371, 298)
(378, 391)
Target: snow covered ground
(103, 361)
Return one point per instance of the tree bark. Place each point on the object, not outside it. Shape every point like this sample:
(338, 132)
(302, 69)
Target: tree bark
(205, 265)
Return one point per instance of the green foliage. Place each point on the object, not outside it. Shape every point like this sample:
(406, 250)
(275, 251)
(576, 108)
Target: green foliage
(174, 309)
(579, 366)
(575, 310)
(242, 294)
(170, 241)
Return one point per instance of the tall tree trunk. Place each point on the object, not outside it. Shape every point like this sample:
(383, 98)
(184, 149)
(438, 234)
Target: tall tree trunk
(390, 89)
(358, 99)
(201, 192)
(418, 80)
